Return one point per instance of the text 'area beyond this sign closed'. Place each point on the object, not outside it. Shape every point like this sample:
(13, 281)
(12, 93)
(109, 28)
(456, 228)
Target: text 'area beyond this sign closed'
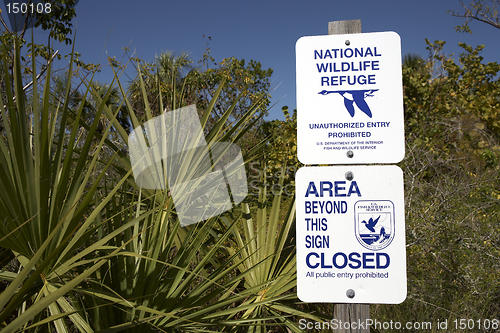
(350, 99)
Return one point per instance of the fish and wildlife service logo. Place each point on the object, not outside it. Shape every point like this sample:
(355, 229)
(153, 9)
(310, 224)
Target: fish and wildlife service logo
(170, 152)
(374, 223)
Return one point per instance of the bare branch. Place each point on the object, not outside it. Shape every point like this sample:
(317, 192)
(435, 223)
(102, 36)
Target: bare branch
(25, 88)
(480, 11)
(5, 24)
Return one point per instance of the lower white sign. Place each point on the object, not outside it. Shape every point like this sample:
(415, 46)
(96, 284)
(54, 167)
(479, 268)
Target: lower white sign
(351, 234)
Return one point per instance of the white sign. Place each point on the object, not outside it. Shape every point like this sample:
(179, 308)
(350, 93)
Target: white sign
(350, 99)
(351, 234)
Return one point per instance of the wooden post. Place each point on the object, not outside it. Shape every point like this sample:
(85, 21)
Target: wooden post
(344, 27)
(349, 313)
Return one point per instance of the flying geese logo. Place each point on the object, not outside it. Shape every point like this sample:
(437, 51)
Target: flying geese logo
(374, 223)
(354, 97)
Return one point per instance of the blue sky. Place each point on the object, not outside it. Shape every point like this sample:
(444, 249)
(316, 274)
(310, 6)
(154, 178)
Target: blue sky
(265, 31)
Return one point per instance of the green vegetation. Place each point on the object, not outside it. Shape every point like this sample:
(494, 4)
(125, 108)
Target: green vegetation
(84, 249)
(452, 188)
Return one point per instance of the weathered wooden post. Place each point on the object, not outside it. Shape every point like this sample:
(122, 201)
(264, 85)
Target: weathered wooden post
(349, 313)
(344, 27)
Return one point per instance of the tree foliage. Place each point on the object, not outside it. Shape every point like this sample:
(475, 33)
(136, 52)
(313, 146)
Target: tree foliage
(172, 80)
(57, 21)
(452, 187)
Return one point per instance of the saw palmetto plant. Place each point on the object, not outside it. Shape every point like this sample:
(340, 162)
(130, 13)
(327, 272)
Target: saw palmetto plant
(85, 249)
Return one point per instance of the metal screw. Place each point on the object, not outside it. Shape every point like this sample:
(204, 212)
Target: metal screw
(349, 175)
(347, 42)
(350, 293)
(350, 154)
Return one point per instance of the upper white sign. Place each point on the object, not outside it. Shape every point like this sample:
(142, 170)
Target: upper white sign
(350, 99)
